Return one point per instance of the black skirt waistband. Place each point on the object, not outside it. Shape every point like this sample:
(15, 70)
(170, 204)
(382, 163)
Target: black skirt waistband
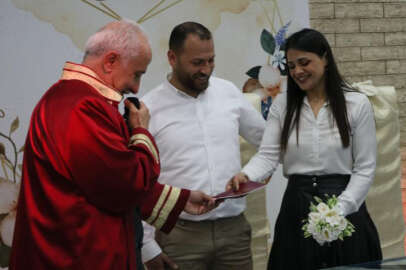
(302, 180)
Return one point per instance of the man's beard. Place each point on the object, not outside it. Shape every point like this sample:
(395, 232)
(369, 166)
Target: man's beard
(193, 82)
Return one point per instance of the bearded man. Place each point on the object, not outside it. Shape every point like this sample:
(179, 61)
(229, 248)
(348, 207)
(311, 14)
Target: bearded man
(196, 120)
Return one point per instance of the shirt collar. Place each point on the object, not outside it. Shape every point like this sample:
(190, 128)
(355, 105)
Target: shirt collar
(73, 71)
(180, 92)
(306, 102)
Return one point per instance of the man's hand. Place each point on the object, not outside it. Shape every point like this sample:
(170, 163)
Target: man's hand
(234, 182)
(160, 261)
(138, 117)
(199, 203)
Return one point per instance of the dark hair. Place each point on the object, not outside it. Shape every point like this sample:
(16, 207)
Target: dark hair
(181, 31)
(310, 40)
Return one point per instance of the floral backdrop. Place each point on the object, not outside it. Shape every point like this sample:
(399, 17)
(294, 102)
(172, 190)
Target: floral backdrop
(9, 187)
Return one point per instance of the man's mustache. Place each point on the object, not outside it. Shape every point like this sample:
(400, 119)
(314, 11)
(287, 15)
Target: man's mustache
(201, 76)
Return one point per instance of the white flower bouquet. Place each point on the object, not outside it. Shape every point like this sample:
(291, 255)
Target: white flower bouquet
(324, 223)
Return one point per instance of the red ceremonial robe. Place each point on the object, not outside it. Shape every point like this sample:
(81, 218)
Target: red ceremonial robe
(82, 177)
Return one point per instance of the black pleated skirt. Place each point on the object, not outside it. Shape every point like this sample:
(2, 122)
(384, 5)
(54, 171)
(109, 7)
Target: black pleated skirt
(290, 250)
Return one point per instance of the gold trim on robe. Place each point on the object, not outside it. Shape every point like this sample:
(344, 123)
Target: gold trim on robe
(145, 140)
(164, 206)
(72, 71)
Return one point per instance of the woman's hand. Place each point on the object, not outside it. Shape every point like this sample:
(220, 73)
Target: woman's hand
(234, 183)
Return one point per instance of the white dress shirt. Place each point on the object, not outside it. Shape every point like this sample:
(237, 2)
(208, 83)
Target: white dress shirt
(198, 139)
(320, 150)
(150, 248)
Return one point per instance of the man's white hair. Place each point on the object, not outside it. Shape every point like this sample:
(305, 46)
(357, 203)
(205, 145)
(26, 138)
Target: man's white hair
(126, 37)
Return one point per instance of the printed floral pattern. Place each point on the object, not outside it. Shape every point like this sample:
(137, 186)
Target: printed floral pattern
(9, 188)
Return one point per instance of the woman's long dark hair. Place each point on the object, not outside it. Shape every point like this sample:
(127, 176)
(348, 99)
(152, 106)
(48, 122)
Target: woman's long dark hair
(310, 40)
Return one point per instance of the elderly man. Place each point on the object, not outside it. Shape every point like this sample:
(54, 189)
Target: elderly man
(196, 124)
(84, 173)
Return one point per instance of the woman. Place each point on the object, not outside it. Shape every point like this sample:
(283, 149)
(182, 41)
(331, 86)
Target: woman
(323, 132)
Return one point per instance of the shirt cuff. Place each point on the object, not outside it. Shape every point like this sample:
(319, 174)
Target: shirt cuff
(345, 207)
(251, 175)
(150, 250)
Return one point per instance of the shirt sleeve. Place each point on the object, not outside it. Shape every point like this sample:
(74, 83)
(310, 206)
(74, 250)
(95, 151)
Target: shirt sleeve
(265, 161)
(116, 174)
(252, 124)
(364, 160)
(150, 248)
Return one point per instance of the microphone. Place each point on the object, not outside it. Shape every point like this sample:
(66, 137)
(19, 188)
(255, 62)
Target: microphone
(126, 114)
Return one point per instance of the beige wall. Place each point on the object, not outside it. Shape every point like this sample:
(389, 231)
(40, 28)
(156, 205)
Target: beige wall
(369, 41)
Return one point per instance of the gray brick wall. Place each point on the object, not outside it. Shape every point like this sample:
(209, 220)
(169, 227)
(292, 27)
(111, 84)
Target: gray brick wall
(369, 42)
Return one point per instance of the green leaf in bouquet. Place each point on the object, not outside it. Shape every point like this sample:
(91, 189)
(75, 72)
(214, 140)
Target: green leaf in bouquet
(14, 125)
(317, 199)
(312, 207)
(267, 42)
(333, 201)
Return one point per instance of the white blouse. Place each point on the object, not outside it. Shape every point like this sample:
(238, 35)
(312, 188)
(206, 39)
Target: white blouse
(320, 150)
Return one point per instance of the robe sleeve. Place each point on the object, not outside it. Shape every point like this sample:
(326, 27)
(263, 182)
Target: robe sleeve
(116, 174)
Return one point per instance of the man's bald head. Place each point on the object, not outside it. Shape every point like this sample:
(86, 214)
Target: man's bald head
(124, 37)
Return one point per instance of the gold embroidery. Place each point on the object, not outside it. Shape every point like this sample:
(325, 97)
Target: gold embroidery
(144, 139)
(159, 204)
(73, 71)
(169, 205)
